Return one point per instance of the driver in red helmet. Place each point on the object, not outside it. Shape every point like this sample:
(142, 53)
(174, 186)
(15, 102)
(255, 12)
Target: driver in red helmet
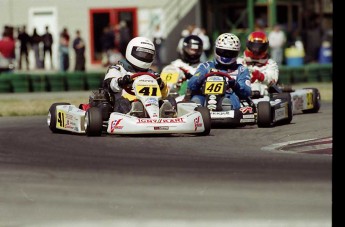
(263, 70)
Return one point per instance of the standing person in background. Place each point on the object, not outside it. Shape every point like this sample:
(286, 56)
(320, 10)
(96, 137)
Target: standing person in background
(277, 40)
(24, 40)
(64, 51)
(79, 48)
(7, 49)
(36, 39)
(125, 37)
(47, 39)
(158, 40)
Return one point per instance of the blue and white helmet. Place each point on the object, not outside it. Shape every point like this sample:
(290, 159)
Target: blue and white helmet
(227, 48)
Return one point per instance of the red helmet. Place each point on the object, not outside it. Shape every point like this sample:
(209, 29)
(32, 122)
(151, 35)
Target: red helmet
(257, 46)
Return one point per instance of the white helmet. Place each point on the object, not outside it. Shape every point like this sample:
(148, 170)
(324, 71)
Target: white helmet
(140, 52)
(227, 48)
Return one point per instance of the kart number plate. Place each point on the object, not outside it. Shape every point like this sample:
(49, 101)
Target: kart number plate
(214, 87)
(310, 101)
(170, 77)
(60, 119)
(148, 90)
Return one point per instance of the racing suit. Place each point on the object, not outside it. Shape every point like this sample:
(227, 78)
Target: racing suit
(269, 69)
(241, 89)
(122, 99)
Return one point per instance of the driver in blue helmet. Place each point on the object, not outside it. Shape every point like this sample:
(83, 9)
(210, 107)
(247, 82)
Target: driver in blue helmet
(227, 48)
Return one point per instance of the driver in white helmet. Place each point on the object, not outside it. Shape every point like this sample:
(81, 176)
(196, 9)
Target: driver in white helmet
(139, 57)
(227, 48)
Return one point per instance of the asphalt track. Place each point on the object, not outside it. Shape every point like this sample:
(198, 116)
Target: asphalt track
(280, 176)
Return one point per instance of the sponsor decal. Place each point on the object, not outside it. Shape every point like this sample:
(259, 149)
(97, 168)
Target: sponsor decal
(242, 68)
(246, 109)
(115, 125)
(297, 102)
(212, 107)
(280, 113)
(197, 123)
(212, 101)
(212, 97)
(248, 83)
(223, 114)
(246, 120)
(161, 128)
(160, 120)
(248, 116)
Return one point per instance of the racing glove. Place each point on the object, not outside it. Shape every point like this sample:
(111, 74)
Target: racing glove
(124, 81)
(187, 74)
(232, 84)
(257, 75)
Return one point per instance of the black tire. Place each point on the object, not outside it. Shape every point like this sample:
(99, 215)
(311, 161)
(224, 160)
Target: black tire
(93, 122)
(287, 97)
(316, 101)
(206, 117)
(264, 117)
(51, 118)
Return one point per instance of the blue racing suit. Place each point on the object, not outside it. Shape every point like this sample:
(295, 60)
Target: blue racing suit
(241, 89)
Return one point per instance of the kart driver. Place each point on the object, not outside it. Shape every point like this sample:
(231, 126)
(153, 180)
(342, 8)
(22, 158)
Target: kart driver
(227, 48)
(264, 70)
(139, 57)
(192, 48)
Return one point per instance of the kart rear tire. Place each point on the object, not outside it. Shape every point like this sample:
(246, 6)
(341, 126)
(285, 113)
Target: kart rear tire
(206, 117)
(286, 97)
(51, 118)
(264, 117)
(93, 122)
(316, 101)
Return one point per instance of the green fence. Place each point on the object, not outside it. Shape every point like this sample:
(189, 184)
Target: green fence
(29, 82)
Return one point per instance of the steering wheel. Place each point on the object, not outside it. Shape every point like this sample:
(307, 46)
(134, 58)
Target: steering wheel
(135, 75)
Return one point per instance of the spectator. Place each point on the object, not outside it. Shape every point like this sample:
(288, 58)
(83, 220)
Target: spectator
(158, 40)
(125, 37)
(7, 50)
(277, 40)
(47, 47)
(79, 48)
(24, 40)
(36, 39)
(108, 44)
(64, 50)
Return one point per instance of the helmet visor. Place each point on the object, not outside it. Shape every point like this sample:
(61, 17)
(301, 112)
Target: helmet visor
(226, 53)
(257, 48)
(143, 54)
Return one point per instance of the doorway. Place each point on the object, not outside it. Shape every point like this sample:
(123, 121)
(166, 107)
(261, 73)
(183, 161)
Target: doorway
(100, 19)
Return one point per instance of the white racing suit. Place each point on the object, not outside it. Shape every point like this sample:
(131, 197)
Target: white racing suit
(269, 69)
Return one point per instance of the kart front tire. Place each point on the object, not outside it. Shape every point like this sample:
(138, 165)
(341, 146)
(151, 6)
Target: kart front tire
(316, 101)
(51, 118)
(264, 117)
(206, 117)
(93, 122)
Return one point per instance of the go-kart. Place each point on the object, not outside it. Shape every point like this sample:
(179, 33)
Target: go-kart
(213, 88)
(305, 100)
(263, 111)
(148, 115)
